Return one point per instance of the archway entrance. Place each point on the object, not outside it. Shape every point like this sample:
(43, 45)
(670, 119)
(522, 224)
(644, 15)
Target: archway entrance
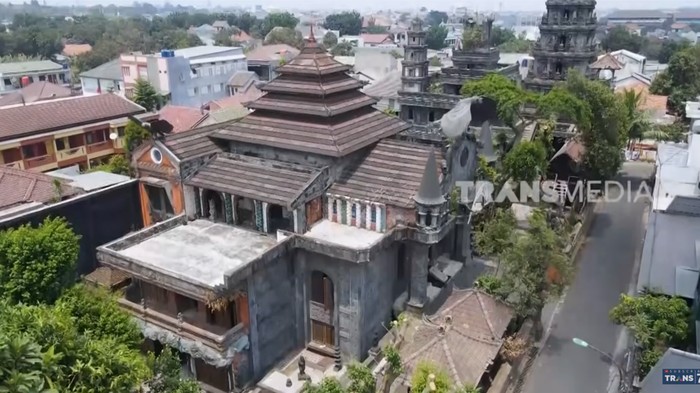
(245, 212)
(321, 310)
(277, 219)
(213, 206)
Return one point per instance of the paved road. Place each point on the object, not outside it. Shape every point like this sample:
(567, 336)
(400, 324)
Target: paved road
(606, 267)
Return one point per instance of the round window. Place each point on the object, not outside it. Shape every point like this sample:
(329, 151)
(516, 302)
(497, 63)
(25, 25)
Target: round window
(463, 157)
(156, 156)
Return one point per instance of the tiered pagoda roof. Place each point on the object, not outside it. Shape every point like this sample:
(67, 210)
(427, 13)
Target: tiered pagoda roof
(313, 106)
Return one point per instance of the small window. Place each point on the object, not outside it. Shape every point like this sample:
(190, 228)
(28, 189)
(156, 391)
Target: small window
(60, 144)
(410, 114)
(7, 81)
(335, 207)
(156, 156)
(42, 77)
(373, 214)
(126, 71)
(353, 210)
(121, 131)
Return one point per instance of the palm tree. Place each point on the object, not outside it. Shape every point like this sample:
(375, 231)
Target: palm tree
(639, 122)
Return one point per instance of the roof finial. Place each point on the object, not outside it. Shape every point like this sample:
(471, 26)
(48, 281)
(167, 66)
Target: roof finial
(311, 33)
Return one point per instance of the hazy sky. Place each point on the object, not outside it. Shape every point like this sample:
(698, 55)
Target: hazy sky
(507, 5)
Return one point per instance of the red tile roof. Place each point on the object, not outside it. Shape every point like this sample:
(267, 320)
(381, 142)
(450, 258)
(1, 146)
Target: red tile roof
(182, 118)
(76, 49)
(18, 186)
(607, 62)
(649, 102)
(42, 117)
(37, 91)
(241, 36)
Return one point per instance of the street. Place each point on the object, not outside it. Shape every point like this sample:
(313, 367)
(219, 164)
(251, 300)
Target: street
(605, 269)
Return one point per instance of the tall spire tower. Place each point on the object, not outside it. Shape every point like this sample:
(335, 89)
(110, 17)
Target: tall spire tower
(567, 41)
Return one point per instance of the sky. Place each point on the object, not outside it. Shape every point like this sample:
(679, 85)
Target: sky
(362, 5)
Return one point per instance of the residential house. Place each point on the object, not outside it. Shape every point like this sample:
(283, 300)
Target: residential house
(242, 38)
(653, 106)
(84, 200)
(265, 59)
(220, 25)
(37, 91)
(467, 333)
(378, 41)
(14, 76)
(241, 82)
(673, 359)
(182, 118)
(188, 77)
(47, 135)
(680, 27)
(302, 224)
(105, 78)
(638, 17)
(631, 63)
(72, 50)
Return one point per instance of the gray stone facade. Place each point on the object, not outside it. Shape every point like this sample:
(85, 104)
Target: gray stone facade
(567, 41)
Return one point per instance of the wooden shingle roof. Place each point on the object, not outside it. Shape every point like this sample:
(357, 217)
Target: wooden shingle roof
(193, 143)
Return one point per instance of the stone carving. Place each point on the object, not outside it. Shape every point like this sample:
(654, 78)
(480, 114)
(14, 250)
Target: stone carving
(302, 369)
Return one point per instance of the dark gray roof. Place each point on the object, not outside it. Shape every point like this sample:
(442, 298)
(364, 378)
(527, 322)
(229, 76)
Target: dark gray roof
(110, 70)
(673, 358)
(687, 205)
(193, 143)
(429, 193)
(671, 254)
(262, 180)
(241, 78)
(636, 14)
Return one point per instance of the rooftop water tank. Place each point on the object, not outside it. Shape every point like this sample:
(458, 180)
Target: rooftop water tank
(167, 53)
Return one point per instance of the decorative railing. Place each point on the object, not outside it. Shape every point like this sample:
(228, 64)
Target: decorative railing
(119, 143)
(100, 146)
(70, 153)
(38, 161)
(16, 165)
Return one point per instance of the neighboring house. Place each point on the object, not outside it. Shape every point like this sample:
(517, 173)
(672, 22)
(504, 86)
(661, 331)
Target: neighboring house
(220, 25)
(182, 118)
(205, 32)
(72, 50)
(241, 81)
(105, 78)
(638, 17)
(14, 76)
(302, 224)
(680, 27)
(631, 63)
(188, 77)
(54, 134)
(386, 91)
(467, 332)
(243, 38)
(654, 106)
(86, 201)
(265, 59)
(690, 36)
(37, 91)
(378, 41)
(673, 359)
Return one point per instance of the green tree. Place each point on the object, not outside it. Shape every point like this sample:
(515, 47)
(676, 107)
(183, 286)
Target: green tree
(535, 269)
(347, 22)
(527, 161)
(435, 39)
(619, 38)
(421, 378)
(500, 35)
(134, 135)
(167, 376)
(117, 164)
(278, 19)
(330, 40)
(361, 379)
(639, 125)
(223, 38)
(669, 48)
(435, 62)
(435, 18)
(343, 49)
(24, 367)
(495, 235)
(38, 263)
(656, 321)
(681, 80)
(145, 95)
(472, 38)
(509, 97)
(284, 35)
(327, 385)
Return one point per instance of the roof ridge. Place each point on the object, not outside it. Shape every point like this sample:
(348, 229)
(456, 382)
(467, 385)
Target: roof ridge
(451, 363)
(486, 315)
(30, 190)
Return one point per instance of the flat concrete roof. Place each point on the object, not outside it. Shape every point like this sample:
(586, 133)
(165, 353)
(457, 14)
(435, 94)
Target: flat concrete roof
(344, 235)
(202, 250)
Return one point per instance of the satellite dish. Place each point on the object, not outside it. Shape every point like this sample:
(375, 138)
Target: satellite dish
(456, 122)
(113, 136)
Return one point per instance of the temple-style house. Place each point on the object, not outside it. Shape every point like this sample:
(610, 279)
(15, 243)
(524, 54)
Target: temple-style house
(300, 227)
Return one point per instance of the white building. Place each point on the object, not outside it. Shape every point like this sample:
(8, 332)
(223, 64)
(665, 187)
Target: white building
(14, 76)
(105, 78)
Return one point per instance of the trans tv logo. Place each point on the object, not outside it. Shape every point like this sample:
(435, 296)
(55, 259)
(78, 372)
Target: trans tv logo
(681, 376)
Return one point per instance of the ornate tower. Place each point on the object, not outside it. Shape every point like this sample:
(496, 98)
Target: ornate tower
(415, 76)
(567, 41)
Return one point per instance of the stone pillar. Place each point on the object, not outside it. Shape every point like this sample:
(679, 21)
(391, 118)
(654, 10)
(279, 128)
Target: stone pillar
(331, 202)
(358, 214)
(234, 217)
(264, 216)
(228, 208)
(368, 214)
(202, 209)
(421, 217)
(296, 220)
(419, 275)
(379, 218)
(435, 219)
(258, 215)
(348, 211)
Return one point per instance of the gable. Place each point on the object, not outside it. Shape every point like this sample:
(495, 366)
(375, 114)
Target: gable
(145, 159)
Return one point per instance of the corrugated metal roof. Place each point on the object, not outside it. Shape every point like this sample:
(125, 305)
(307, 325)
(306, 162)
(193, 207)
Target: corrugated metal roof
(29, 66)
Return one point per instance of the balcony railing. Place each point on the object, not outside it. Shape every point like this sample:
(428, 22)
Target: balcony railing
(67, 154)
(119, 143)
(35, 162)
(100, 146)
(16, 165)
(182, 328)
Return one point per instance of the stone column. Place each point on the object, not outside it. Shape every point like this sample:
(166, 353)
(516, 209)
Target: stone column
(419, 275)
(421, 217)
(331, 202)
(358, 214)
(296, 220)
(368, 215)
(234, 217)
(435, 220)
(264, 216)
(228, 208)
(379, 218)
(202, 204)
(348, 211)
